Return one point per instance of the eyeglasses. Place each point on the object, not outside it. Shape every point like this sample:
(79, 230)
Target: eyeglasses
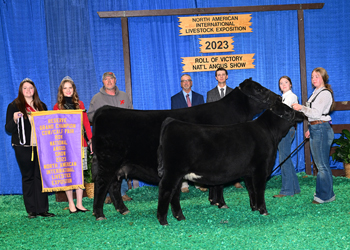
(186, 80)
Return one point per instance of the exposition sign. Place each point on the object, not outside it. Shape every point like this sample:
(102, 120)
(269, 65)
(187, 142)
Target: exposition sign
(204, 25)
(212, 63)
(59, 137)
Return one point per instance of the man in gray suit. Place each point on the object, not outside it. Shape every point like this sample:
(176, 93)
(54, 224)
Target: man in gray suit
(221, 89)
(219, 92)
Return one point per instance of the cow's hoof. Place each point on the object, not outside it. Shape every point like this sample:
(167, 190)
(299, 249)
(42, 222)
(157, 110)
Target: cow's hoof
(181, 217)
(265, 213)
(126, 212)
(165, 223)
(101, 218)
(224, 206)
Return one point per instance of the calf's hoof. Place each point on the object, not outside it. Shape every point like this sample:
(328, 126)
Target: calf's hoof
(126, 212)
(163, 223)
(223, 206)
(123, 211)
(213, 203)
(101, 218)
(180, 217)
(263, 212)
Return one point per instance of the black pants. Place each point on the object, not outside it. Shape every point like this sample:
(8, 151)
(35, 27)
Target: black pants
(34, 200)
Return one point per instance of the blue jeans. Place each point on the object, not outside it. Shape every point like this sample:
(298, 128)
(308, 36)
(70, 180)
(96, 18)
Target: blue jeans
(321, 138)
(124, 187)
(290, 183)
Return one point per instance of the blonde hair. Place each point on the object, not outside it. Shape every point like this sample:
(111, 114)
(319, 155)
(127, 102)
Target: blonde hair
(325, 78)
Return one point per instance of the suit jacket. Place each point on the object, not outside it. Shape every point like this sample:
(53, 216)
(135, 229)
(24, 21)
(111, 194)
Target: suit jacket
(214, 95)
(178, 101)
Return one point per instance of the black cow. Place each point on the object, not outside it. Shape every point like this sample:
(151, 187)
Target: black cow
(125, 141)
(215, 155)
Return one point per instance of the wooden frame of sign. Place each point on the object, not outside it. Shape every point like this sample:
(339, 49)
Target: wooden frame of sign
(173, 12)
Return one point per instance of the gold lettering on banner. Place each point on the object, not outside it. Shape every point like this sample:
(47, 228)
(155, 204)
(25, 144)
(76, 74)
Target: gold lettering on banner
(216, 44)
(203, 25)
(212, 63)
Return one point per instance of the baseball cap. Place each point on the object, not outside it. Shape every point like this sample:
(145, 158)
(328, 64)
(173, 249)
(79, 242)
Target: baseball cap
(110, 74)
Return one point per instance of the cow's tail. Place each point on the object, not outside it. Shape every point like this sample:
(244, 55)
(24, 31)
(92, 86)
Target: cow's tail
(160, 147)
(94, 167)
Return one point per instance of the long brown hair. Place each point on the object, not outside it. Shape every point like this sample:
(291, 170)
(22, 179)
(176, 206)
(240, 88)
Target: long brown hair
(325, 78)
(20, 101)
(60, 97)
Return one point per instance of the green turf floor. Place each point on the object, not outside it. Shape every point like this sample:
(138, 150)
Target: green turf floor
(292, 223)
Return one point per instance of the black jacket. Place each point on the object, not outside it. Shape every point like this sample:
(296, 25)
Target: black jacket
(11, 126)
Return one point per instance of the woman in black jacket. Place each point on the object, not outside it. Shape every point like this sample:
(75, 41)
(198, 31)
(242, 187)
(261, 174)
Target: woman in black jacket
(19, 124)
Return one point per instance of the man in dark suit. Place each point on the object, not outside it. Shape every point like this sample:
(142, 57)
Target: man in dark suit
(187, 98)
(219, 92)
(221, 89)
(179, 100)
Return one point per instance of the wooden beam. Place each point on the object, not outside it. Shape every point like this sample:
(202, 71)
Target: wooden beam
(197, 11)
(342, 106)
(303, 82)
(338, 128)
(126, 53)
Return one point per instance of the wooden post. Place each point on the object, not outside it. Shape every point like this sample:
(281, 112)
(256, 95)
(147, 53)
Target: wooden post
(126, 53)
(303, 82)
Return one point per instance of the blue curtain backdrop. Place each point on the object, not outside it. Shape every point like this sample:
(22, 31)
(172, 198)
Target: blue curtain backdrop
(46, 40)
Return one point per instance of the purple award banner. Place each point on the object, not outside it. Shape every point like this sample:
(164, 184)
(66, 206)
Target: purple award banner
(59, 136)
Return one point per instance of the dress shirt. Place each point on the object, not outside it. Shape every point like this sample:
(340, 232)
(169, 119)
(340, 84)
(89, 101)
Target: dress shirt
(289, 98)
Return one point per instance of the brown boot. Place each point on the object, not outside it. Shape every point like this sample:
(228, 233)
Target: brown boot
(238, 185)
(185, 190)
(108, 200)
(281, 195)
(126, 198)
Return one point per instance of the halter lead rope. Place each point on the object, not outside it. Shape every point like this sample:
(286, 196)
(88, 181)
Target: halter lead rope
(289, 155)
